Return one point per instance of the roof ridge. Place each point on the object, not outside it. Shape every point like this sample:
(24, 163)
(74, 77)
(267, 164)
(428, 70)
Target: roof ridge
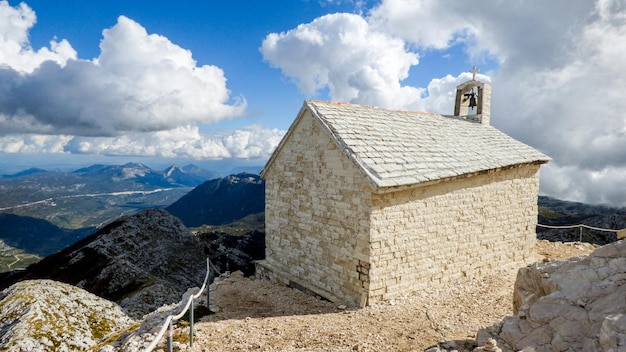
(339, 103)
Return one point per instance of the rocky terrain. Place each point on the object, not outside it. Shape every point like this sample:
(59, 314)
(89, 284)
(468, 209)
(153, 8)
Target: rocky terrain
(236, 245)
(141, 262)
(254, 314)
(44, 315)
(576, 304)
(138, 265)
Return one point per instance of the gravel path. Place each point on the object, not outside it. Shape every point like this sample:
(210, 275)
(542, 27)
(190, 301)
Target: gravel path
(256, 315)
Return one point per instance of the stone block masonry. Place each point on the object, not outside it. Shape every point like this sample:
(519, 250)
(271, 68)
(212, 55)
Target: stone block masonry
(317, 205)
(451, 230)
(329, 231)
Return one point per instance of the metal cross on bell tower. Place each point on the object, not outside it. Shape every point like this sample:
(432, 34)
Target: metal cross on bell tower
(474, 70)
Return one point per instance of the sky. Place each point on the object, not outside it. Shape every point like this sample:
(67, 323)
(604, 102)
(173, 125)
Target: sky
(216, 82)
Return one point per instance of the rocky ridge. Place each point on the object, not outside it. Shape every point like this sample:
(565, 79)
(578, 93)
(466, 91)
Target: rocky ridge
(141, 261)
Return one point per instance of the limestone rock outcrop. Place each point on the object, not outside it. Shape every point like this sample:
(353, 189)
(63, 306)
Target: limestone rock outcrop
(45, 315)
(572, 305)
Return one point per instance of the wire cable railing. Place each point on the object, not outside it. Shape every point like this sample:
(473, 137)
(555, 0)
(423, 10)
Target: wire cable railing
(621, 233)
(168, 325)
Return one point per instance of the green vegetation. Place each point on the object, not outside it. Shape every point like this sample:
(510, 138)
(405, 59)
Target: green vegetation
(548, 213)
(13, 258)
(114, 336)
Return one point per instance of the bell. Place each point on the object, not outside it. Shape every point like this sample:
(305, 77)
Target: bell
(472, 103)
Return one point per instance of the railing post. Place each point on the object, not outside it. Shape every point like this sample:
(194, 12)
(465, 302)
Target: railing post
(191, 324)
(170, 342)
(581, 234)
(168, 324)
(208, 294)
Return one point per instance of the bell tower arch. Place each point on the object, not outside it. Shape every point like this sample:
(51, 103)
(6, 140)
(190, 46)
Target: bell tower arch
(473, 100)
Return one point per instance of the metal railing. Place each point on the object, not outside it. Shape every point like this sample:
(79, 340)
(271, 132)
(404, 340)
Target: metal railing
(620, 233)
(167, 324)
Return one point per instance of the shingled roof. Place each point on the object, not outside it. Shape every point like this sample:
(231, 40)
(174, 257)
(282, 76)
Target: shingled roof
(403, 148)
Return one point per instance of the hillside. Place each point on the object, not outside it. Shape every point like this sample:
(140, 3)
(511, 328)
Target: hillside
(562, 213)
(221, 201)
(141, 262)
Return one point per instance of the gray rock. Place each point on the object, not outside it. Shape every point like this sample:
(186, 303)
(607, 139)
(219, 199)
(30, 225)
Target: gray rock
(577, 304)
(44, 315)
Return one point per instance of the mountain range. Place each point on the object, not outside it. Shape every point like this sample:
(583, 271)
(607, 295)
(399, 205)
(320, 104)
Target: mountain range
(93, 195)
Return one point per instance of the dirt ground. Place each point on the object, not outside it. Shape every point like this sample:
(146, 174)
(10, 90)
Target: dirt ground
(256, 315)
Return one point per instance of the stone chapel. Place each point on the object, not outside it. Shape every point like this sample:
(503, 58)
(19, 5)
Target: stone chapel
(365, 204)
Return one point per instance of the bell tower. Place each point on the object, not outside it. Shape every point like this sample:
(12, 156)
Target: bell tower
(473, 100)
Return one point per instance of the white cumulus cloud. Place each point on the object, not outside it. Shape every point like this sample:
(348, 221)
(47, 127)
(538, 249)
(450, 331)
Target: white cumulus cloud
(140, 82)
(16, 53)
(189, 142)
(344, 54)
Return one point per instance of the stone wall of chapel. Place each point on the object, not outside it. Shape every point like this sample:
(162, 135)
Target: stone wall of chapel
(448, 231)
(316, 214)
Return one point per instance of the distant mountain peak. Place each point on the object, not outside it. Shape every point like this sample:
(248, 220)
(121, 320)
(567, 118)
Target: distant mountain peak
(135, 165)
(173, 169)
(222, 200)
(134, 170)
(31, 171)
(244, 177)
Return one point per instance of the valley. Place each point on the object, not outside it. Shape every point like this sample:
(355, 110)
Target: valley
(42, 212)
(94, 209)
(12, 258)
(91, 196)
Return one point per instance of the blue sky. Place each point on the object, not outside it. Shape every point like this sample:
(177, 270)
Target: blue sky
(217, 83)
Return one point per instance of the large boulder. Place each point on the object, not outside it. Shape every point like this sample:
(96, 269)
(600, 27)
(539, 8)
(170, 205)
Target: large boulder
(577, 304)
